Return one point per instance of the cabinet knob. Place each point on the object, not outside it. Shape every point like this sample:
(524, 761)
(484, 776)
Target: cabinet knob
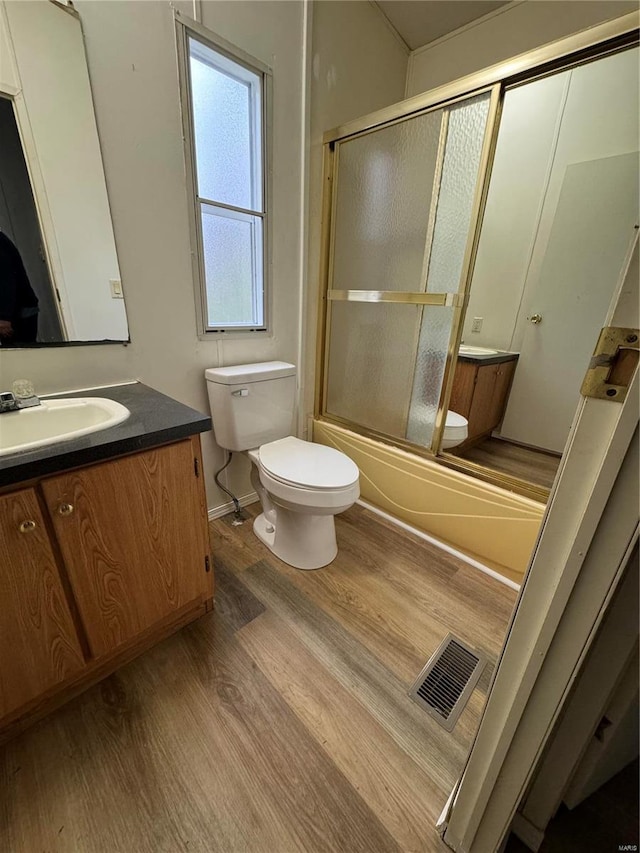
(27, 526)
(65, 509)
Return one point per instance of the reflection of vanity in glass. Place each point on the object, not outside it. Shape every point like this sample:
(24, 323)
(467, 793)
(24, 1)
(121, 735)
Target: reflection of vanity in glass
(480, 392)
(55, 223)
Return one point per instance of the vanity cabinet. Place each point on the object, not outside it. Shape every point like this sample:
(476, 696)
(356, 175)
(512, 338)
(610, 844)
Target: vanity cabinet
(39, 646)
(480, 393)
(98, 563)
(132, 540)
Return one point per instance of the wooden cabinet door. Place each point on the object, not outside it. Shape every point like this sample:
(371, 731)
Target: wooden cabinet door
(133, 533)
(464, 382)
(502, 386)
(481, 413)
(39, 646)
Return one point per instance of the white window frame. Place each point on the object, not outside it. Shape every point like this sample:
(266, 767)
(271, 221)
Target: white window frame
(238, 60)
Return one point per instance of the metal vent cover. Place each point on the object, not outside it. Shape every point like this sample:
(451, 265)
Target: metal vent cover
(447, 681)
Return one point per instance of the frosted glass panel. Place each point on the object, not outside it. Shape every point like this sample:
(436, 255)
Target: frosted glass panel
(233, 266)
(371, 363)
(226, 129)
(385, 184)
(433, 344)
(465, 135)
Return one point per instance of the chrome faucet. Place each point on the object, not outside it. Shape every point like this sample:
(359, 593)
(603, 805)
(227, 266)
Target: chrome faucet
(22, 396)
(8, 402)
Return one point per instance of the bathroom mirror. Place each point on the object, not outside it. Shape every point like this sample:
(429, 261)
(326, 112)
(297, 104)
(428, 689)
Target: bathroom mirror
(60, 281)
(560, 215)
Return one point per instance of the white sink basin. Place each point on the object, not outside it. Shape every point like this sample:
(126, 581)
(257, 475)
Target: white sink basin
(469, 350)
(57, 420)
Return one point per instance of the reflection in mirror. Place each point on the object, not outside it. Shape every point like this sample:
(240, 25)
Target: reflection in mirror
(560, 217)
(28, 307)
(59, 275)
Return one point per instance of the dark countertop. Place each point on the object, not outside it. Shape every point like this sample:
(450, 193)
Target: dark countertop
(498, 358)
(155, 419)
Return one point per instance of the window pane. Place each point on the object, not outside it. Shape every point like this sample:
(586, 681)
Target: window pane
(232, 244)
(227, 128)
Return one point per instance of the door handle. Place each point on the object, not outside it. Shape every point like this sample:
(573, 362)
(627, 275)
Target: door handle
(535, 319)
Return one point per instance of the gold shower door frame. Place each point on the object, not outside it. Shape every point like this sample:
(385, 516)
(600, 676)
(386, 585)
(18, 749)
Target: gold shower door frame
(611, 37)
(421, 298)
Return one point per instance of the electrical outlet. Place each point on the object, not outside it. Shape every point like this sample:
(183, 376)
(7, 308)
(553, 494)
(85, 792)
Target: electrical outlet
(116, 288)
(476, 324)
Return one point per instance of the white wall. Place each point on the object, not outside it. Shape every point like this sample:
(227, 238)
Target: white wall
(514, 29)
(132, 64)
(358, 66)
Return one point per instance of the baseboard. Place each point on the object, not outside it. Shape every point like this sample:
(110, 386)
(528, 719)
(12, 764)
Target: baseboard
(442, 545)
(223, 509)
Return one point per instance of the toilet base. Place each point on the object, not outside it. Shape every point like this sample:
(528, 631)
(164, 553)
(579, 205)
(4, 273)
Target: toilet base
(301, 540)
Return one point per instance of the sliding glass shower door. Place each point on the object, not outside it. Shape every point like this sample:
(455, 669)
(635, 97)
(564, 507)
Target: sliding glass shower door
(405, 197)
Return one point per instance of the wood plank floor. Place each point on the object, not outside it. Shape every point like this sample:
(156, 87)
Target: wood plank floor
(278, 723)
(526, 463)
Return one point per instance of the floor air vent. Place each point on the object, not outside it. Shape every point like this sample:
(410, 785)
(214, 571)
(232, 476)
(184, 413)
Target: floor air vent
(445, 684)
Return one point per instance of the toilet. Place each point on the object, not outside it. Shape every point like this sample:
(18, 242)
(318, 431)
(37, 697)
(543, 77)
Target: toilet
(301, 485)
(456, 429)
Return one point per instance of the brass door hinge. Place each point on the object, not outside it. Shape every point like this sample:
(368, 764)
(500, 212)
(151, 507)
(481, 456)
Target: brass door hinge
(612, 364)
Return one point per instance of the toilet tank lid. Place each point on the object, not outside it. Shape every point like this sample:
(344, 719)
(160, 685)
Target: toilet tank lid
(237, 374)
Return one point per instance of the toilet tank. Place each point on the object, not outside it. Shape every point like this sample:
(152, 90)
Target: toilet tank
(251, 404)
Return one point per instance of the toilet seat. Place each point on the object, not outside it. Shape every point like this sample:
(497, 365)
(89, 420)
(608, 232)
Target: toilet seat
(317, 500)
(307, 466)
(456, 430)
(456, 425)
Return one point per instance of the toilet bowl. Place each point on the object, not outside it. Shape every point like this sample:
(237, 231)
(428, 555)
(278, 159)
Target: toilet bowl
(456, 429)
(301, 487)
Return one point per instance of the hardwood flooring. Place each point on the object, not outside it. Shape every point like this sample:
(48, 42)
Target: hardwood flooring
(526, 463)
(278, 723)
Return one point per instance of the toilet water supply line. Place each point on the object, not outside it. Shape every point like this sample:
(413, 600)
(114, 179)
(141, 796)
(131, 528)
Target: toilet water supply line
(236, 502)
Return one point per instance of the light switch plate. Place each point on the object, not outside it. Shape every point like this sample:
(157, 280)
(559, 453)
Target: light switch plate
(116, 288)
(476, 324)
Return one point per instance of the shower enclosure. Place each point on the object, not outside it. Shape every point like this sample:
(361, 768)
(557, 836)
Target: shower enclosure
(405, 195)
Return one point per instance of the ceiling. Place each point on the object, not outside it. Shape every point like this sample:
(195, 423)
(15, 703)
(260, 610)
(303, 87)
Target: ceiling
(421, 21)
